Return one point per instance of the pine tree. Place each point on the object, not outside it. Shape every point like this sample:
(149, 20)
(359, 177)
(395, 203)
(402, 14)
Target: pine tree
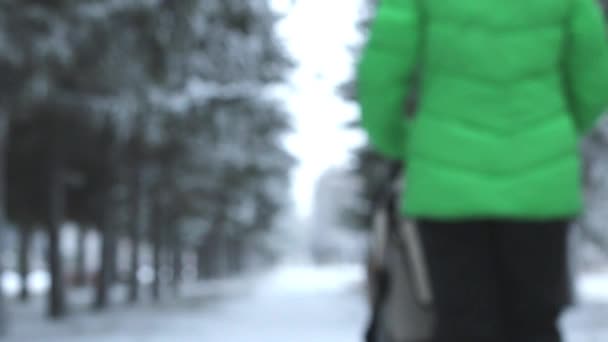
(174, 99)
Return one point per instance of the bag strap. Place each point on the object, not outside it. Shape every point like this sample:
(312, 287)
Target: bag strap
(387, 199)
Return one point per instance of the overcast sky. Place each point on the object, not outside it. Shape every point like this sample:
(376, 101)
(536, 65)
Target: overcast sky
(318, 34)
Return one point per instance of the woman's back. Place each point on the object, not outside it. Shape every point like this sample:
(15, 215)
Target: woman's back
(507, 89)
(496, 63)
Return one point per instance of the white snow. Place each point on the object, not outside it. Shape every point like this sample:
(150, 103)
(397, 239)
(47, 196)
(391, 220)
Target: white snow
(293, 303)
(307, 280)
(593, 287)
(38, 282)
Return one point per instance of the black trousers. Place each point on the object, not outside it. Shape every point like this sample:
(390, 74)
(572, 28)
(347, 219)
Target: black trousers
(497, 281)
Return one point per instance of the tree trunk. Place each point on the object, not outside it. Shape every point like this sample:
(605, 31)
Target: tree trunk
(222, 256)
(57, 308)
(80, 274)
(4, 131)
(157, 223)
(25, 243)
(230, 253)
(135, 229)
(236, 255)
(133, 271)
(55, 216)
(202, 265)
(211, 256)
(217, 248)
(108, 249)
(113, 275)
(105, 206)
(177, 260)
(177, 271)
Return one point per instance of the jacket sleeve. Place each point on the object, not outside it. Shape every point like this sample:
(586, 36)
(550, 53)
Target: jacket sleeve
(587, 64)
(383, 72)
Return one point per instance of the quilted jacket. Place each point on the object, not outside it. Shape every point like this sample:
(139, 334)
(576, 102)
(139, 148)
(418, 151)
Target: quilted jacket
(507, 89)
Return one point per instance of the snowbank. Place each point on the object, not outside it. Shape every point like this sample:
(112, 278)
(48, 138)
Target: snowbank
(593, 287)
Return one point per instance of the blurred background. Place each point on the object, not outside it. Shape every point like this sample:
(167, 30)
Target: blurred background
(193, 170)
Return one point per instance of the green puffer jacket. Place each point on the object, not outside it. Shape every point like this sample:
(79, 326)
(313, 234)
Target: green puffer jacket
(508, 88)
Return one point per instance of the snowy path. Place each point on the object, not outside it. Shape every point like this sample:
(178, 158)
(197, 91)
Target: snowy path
(296, 304)
(291, 304)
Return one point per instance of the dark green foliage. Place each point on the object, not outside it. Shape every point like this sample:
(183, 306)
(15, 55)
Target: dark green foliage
(120, 107)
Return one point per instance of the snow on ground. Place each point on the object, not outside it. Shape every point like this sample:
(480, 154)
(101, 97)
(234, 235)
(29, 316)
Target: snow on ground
(302, 280)
(588, 322)
(594, 287)
(293, 303)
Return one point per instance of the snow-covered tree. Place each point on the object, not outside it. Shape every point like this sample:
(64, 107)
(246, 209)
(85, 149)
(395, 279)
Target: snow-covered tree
(139, 108)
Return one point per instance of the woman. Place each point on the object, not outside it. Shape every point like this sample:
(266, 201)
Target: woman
(507, 89)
